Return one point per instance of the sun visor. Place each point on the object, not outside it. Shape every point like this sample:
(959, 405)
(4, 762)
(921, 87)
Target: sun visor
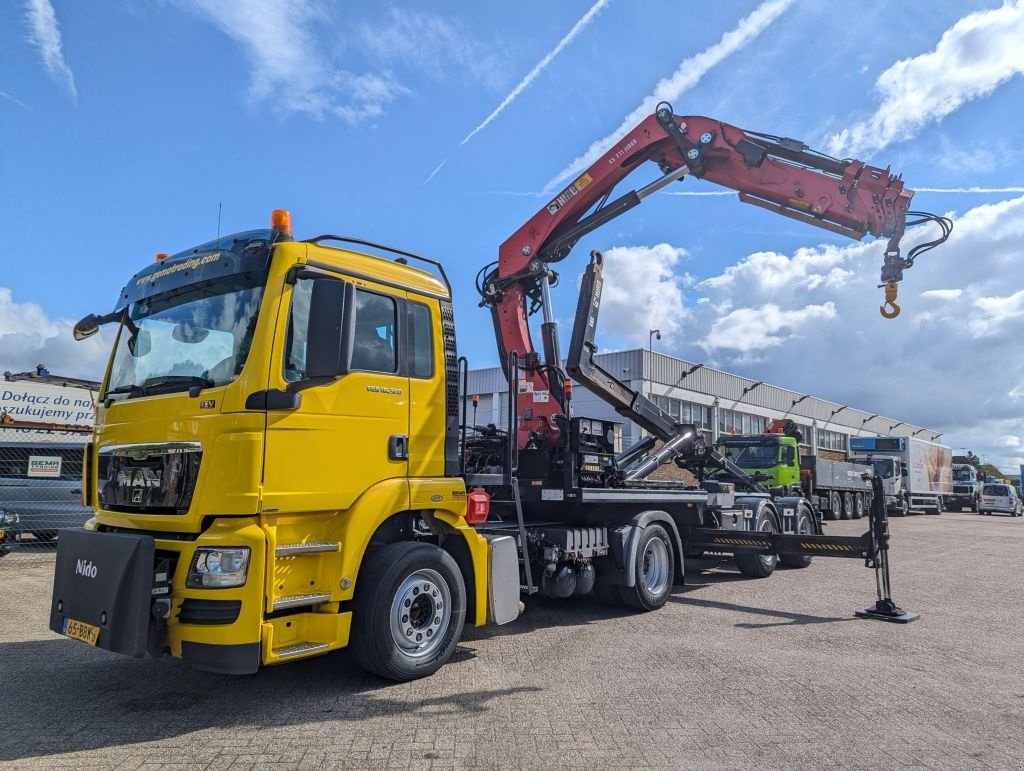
(216, 259)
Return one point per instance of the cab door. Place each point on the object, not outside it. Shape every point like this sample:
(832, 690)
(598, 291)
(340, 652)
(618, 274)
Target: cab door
(349, 432)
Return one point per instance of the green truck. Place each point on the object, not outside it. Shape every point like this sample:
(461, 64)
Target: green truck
(836, 489)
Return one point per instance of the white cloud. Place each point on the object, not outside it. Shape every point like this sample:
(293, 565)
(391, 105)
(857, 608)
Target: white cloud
(643, 291)
(291, 70)
(434, 46)
(523, 84)
(943, 294)
(686, 76)
(972, 58)
(752, 330)
(808, 320)
(28, 336)
(44, 33)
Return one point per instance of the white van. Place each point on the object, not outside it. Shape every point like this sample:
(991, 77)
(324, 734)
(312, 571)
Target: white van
(1001, 498)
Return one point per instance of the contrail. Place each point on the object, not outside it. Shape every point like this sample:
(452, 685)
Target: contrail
(701, 192)
(434, 172)
(686, 76)
(18, 102)
(578, 27)
(969, 189)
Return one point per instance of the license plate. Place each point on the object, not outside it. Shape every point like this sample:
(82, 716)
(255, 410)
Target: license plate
(78, 630)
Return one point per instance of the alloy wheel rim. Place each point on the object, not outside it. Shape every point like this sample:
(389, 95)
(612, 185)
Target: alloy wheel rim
(421, 613)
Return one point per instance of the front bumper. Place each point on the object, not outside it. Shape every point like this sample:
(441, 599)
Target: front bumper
(217, 630)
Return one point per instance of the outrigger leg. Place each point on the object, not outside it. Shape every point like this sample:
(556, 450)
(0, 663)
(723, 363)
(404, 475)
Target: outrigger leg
(885, 608)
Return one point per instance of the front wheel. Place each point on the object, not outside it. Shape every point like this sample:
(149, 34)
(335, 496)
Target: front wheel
(410, 606)
(654, 568)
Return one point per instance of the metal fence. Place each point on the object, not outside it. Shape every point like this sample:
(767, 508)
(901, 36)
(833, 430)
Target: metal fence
(40, 493)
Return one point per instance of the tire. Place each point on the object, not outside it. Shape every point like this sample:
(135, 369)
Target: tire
(847, 506)
(397, 578)
(804, 526)
(654, 570)
(858, 505)
(759, 565)
(835, 506)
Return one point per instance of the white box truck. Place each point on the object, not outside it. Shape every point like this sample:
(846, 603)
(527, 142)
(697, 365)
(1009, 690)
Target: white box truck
(917, 475)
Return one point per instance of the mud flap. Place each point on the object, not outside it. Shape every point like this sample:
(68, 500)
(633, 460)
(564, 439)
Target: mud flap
(103, 581)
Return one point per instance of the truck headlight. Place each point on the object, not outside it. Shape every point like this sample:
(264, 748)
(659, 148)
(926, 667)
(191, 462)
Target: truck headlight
(8, 517)
(218, 568)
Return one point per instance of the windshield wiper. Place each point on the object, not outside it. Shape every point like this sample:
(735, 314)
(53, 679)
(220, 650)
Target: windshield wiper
(170, 383)
(131, 389)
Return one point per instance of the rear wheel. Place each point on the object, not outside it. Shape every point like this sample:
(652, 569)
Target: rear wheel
(847, 505)
(804, 526)
(654, 569)
(835, 506)
(410, 606)
(858, 506)
(759, 565)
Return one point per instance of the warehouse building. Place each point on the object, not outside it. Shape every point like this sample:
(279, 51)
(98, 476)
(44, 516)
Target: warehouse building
(718, 402)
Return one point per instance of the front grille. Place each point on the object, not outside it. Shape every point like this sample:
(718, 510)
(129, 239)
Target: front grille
(209, 612)
(148, 478)
(962, 489)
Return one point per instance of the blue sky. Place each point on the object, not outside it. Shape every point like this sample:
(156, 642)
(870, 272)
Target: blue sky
(123, 125)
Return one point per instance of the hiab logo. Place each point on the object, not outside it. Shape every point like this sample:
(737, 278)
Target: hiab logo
(85, 568)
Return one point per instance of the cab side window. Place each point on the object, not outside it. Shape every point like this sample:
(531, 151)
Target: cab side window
(420, 341)
(373, 347)
(788, 455)
(298, 329)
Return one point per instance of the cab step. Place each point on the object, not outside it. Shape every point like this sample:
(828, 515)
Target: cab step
(290, 549)
(298, 600)
(300, 649)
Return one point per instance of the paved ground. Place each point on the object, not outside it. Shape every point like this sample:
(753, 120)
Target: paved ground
(731, 673)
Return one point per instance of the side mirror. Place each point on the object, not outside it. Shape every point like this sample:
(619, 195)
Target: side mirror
(904, 471)
(328, 338)
(87, 327)
(91, 324)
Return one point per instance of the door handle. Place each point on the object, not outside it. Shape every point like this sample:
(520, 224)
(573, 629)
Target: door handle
(398, 447)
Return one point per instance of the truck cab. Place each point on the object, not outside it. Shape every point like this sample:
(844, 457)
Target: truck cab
(772, 458)
(274, 414)
(966, 487)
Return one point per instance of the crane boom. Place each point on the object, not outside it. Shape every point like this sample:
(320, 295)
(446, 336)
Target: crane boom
(782, 175)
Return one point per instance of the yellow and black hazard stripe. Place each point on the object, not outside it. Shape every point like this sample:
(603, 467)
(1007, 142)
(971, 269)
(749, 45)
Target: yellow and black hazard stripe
(830, 547)
(740, 542)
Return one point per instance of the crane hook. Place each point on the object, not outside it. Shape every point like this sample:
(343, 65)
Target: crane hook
(890, 309)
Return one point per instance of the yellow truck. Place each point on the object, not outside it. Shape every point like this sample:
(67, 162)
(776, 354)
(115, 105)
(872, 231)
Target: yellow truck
(280, 468)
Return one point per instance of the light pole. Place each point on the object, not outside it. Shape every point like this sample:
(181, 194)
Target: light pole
(650, 339)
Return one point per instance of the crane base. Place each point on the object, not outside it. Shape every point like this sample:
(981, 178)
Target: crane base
(894, 615)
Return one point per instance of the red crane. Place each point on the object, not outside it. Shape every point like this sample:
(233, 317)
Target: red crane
(782, 175)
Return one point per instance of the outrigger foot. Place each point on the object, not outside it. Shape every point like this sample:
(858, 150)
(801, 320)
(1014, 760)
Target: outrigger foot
(888, 611)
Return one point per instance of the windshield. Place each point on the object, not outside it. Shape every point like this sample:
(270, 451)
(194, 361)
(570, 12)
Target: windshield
(198, 335)
(963, 474)
(883, 468)
(755, 457)
(997, 490)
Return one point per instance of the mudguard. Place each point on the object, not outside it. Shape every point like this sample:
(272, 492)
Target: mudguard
(104, 580)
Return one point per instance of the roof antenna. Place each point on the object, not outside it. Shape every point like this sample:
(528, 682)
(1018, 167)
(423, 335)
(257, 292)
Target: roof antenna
(219, 206)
